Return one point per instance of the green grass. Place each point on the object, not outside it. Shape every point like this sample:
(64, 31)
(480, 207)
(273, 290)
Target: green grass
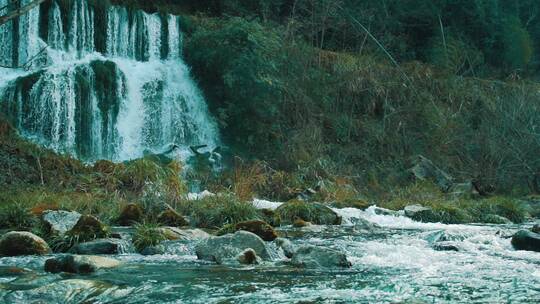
(146, 235)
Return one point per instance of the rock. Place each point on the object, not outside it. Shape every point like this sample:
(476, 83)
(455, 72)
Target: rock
(176, 234)
(442, 236)
(18, 243)
(384, 211)
(300, 223)
(424, 169)
(287, 246)
(172, 218)
(89, 227)
(363, 224)
(222, 248)
(13, 271)
(79, 264)
(536, 228)
(60, 222)
(526, 240)
(419, 213)
(153, 250)
(318, 257)
(496, 219)
(260, 228)
(311, 212)
(248, 257)
(132, 213)
(445, 246)
(358, 204)
(99, 246)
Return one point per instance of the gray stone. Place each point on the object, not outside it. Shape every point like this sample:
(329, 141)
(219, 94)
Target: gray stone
(248, 257)
(60, 222)
(153, 250)
(287, 246)
(79, 264)
(318, 257)
(227, 247)
(18, 243)
(178, 234)
(383, 211)
(445, 246)
(418, 212)
(424, 169)
(526, 240)
(536, 228)
(99, 246)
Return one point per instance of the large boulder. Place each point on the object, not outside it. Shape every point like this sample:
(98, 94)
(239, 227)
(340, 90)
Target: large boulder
(172, 218)
(318, 257)
(260, 228)
(228, 247)
(419, 213)
(79, 264)
(248, 257)
(177, 234)
(287, 246)
(424, 169)
(315, 213)
(130, 214)
(88, 227)
(59, 221)
(526, 240)
(18, 243)
(99, 246)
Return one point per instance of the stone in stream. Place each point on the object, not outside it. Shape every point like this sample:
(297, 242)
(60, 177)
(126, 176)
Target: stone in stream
(300, 223)
(172, 218)
(228, 247)
(445, 246)
(17, 243)
(384, 211)
(99, 246)
(260, 228)
(287, 246)
(248, 257)
(13, 271)
(526, 240)
(59, 222)
(316, 213)
(89, 227)
(319, 257)
(79, 264)
(130, 214)
(419, 213)
(177, 234)
(536, 228)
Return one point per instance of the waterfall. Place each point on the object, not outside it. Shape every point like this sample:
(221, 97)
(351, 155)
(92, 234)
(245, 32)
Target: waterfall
(110, 84)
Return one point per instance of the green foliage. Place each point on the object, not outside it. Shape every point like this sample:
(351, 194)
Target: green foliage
(518, 46)
(146, 235)
(16, 216)
(217, 211)
(289, 212)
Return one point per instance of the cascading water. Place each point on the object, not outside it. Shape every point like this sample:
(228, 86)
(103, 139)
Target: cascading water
(100, 82)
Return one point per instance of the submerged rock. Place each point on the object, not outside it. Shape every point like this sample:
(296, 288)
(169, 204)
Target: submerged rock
(131, 214)
(153, 250)
(318, 257)
(248, 257)
(99, 246)
(536, 228)
(13, 271)
(18, 243)
(445, 246)
(287, 246)
(59, 222)
(227, 247)
(79, 264)
(526, 240)
(260, 228)
(172, 218)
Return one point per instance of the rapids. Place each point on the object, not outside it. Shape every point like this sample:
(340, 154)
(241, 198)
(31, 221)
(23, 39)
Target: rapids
(392, 264)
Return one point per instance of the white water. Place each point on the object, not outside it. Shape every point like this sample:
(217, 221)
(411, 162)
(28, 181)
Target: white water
(137, 95)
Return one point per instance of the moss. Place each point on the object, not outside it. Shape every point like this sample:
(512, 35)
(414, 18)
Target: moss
(311, 212)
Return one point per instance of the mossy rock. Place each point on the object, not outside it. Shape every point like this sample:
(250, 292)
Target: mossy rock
(17, 243)
(260, 228)
(172, 218)
(131, 214)
(89, 228)
(312, 212)
(358, 204)
(269, 216)
(299, 223)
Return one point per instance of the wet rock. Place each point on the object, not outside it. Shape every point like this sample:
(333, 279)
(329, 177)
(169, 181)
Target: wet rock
(311, 212)
(60, 222)
(132, 213)
(79, 264)
(153, 250)
(445, 246)
(99, 246)
(363, 224)
(526, 240)
(536, 228)
(300, 223)
(172, 218)
(13, 271)
(89, 227)
(287, 246)
(248, 257)
(443, 236)
(419, 213)
(383, 211)
(17, 243)
(424, 169)
(260, 228)
(177, 234)
(222, 248)
(318, 257)
(357, 204)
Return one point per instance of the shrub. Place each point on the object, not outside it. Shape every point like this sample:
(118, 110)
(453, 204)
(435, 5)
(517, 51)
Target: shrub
(17, 217)
(146, 235)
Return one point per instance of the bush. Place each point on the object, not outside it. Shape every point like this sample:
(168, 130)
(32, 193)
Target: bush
(16, 217)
